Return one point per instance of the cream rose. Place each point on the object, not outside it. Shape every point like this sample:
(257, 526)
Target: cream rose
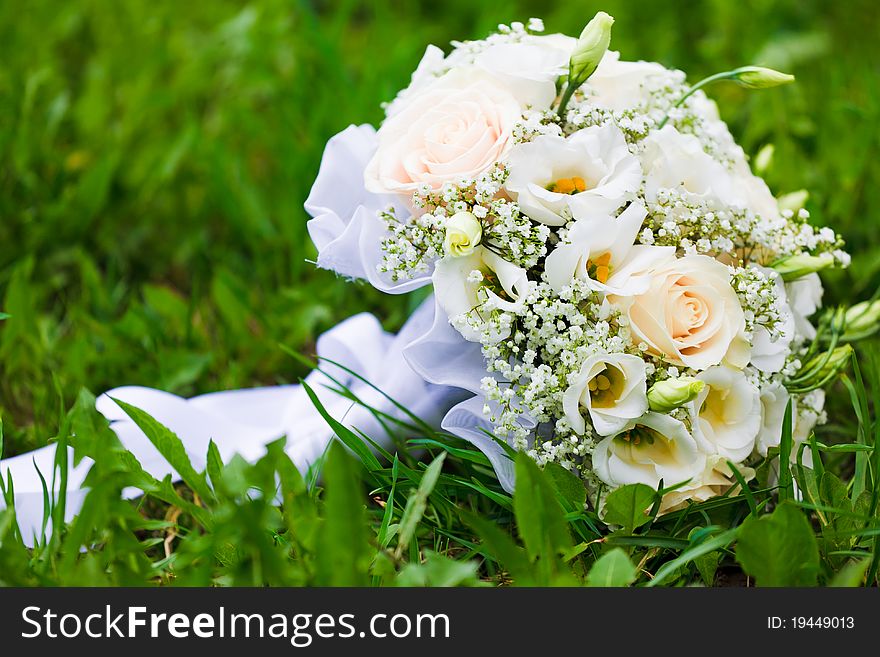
(726, 414)
(689, 314)
(655, 447)
(590, 173)
(611, 388)
(456, 127)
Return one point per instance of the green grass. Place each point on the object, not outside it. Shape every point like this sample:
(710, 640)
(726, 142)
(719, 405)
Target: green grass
(154, 157)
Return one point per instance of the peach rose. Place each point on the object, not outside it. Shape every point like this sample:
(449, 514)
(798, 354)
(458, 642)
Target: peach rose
(456, 127)
(690, 314)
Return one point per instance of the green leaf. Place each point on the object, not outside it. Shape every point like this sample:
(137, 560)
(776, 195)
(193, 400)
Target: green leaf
(851, 575)
(627, 506)
(417, 503)
(439, 570)
(693, 553)
(344, 557)
(786, 489)
(569, 486)
(214, 464)
(707, 564)
(499, 547)
(171, 447)
(779, 549)
(539, 516)
(614, 568)
(346, 435)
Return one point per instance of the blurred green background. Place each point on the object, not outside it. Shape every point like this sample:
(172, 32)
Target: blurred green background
(154, 157)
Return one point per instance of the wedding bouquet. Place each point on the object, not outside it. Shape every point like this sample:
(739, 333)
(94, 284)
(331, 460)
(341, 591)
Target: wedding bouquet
(614, 286)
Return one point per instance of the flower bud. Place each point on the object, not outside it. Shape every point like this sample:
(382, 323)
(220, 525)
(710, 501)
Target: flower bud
(590, 48)
(862, 320)
(758, 77)
(798, 266)
(793, 201)
(838, 360)
(667, 395)
(463, 234)
(764, 159)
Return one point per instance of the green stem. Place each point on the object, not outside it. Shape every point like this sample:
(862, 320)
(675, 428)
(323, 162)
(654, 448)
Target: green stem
(724, 75)
(566, 96)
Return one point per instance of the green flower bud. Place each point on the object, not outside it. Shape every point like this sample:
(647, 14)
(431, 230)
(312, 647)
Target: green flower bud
(764, 158)
(665, 396)
(590, 48)
(862, 320)
(793, 201)
(758, 77)
(798, 266)
(836, 362)
(463, 234)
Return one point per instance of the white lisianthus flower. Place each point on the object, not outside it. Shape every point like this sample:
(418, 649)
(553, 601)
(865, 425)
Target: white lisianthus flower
(654, 447)
(612, 389)
(690, 315)
(463, 234)
(555, 179)
(456, 127)
(619, 85)
(716, 479)
(673, 160)
(726, 414)
(460, 293)
(600, 251)
(804, 298)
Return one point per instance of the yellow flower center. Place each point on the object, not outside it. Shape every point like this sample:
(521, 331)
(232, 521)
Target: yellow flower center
(572, 185)
(605, 387)
(600, 268)
(639, 436)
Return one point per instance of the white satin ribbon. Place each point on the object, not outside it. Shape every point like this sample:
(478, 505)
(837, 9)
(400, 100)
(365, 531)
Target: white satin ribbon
(244, 421)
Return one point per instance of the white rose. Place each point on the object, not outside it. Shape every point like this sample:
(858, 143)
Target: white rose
(612, 388)
(654, 447)
(715, 479)
(619, 85)
(591, 172)
(805, 298)
(599, 250)
(456, 127)
(689, 314)
(531, 66)
(673, 160)
(459, 291)
(726, 414)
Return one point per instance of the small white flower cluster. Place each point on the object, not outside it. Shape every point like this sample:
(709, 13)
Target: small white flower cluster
(410, 247)
(616, 260)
